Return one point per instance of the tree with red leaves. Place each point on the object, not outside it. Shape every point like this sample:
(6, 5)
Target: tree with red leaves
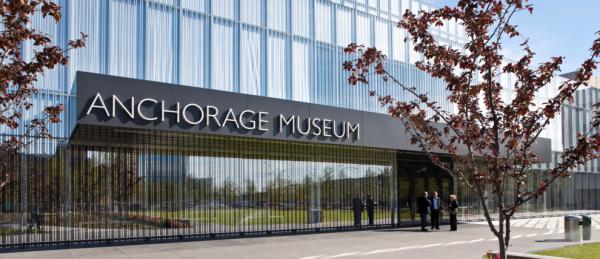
(490, 138)
(18, 76)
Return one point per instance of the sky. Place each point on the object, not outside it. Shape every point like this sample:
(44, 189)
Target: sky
(556, 28)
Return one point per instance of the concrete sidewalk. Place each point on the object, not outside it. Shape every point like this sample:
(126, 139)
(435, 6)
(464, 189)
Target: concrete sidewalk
(471, 241)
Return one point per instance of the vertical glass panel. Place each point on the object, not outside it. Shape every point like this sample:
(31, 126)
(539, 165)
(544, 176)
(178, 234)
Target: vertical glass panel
(223, 8)
(250, 11)
(343, 27)
(399, 45)
(276, 85)
(222, 56)
(194, 5)
(159, 43)
(46, 25)
(395, 7)
(382, 36)
(413, 55)
(415, 7)
(373, 7)
(85, 17)
(323, 22)
(300, 17)
(276, 14)
(383, 6)
(452, 27)
(405, 6)
(363, 29)
(250, 56)
(191, 56)
(361, 5)
(123, 38)
(300, 72)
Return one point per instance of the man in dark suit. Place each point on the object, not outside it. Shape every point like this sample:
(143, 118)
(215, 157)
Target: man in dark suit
(370, 209)
(357, 207)
(423, 205)
(436, 209)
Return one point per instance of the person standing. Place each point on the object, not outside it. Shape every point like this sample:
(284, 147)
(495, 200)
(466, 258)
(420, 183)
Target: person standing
(370, 210)
(423, 205)
(357, 207)
(436, 209)
(453, 208)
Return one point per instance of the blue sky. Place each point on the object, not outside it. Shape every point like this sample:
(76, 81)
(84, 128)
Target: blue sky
(556, 28)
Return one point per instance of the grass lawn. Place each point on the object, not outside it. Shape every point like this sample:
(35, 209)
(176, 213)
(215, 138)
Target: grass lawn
(584, 251)
(253, 216)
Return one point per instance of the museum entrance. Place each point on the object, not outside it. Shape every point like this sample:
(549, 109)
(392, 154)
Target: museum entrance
(112, 183)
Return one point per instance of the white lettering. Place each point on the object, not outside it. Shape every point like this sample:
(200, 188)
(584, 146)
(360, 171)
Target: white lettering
(261, 121)
(307, 126)
(139, 108)
(163, 111)
(251, 121)
(212, 115)
(186, 119)
(326, 128)
(342, 126)
(94, 105)
(315, 123)
(230, 117)
(116, 100)
(287, 122)
(353, 129)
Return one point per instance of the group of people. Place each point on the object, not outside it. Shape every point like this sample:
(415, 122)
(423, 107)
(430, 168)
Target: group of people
(433, 207)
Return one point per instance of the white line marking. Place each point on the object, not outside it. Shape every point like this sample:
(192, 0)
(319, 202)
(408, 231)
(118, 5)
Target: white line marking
(519, 223)
(476, 240)
(549, 232)
(517, 237)
(560, 231)
(311, 257)
(532, 235)
(455, 243)
(493, 239)
(406, 248)
(378, 251)
(344, 254)
(541, 223)
(531, 223)
(433, 245)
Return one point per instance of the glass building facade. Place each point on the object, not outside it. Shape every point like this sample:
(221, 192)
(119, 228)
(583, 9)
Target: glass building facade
(113, 183)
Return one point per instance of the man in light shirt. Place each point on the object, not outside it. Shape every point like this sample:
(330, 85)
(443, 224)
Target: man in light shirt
(436, 209)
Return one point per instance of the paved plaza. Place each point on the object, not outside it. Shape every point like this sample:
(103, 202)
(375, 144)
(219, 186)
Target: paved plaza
(471, 241)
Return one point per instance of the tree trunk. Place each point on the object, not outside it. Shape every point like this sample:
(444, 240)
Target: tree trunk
(507, 235)
(500, 236)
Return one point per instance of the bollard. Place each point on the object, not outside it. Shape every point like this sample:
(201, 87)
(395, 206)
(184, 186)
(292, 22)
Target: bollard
(572, 230)
(586, 227)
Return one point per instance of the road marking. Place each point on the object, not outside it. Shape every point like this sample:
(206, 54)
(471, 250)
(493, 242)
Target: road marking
(493, 239)
(541, 223)
(476, 240)
(532, 235)
(557, 223)
(433, 245)
(549, 232)
(344, 254)
(560, 231)
(519, 223)
(531, 223)
(312, 257)
(517, 237)
(455, 243)
(406, 248)
(379, 251)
